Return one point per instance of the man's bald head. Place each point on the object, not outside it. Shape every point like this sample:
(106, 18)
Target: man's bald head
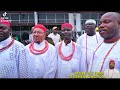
(109, 25)
(116, 15)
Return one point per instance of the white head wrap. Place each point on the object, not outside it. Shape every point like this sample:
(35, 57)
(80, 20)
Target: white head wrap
(90, 21)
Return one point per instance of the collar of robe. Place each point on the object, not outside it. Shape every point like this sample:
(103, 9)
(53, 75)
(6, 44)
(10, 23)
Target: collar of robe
(111, 40)
(7, 46)
(69, 57)
(37, 52)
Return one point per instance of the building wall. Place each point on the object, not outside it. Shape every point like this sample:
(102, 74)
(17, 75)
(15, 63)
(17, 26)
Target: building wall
(22, 21)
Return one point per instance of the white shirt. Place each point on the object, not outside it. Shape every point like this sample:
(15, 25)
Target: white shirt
(67, 68)
(92, 43)
(56, 38)
(42, 65)
(100, 55)
(112, 73)
(13, 62)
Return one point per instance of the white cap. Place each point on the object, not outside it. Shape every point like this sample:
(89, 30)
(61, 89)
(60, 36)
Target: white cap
(90, 21)
(54, 28)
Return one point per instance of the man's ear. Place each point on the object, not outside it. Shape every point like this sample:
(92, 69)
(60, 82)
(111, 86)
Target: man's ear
(119, 23)
(10, 30)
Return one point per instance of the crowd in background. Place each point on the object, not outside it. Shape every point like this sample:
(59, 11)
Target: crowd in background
(62, 53)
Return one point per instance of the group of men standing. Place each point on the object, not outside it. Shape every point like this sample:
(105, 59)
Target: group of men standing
(92, 52)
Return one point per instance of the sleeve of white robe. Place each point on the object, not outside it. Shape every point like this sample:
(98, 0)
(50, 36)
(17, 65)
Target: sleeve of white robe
(106, 73)
(83, 66)
(118, 76)
(53, 66)
(22, 63)
(78, 41)
(80, 54)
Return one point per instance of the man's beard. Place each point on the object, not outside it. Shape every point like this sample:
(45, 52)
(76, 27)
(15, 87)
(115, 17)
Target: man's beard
(67, 38)
(111, 67)
(91, 34)
(3, 38)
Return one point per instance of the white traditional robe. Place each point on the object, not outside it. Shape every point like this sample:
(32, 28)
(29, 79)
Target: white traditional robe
(112, 73)
(100, 55)
(43, 65)
(68, 68)
(56, 38)
(13, 62)
(91, 46)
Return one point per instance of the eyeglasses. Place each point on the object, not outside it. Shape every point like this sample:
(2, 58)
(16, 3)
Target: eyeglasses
(38, 32)
(3, 27)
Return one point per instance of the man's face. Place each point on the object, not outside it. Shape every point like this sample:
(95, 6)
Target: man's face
(67, 33)
(4, 32)
(55, 31)
(108, 26)
(38, 35)
(112, 65)
(90, 28)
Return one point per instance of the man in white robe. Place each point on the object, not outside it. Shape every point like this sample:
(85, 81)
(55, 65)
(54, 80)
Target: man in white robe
(88, 42)
(41, 55)
(13, 63)
(68, 54)
(109, 49)
(112, 72)
(54, 35)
